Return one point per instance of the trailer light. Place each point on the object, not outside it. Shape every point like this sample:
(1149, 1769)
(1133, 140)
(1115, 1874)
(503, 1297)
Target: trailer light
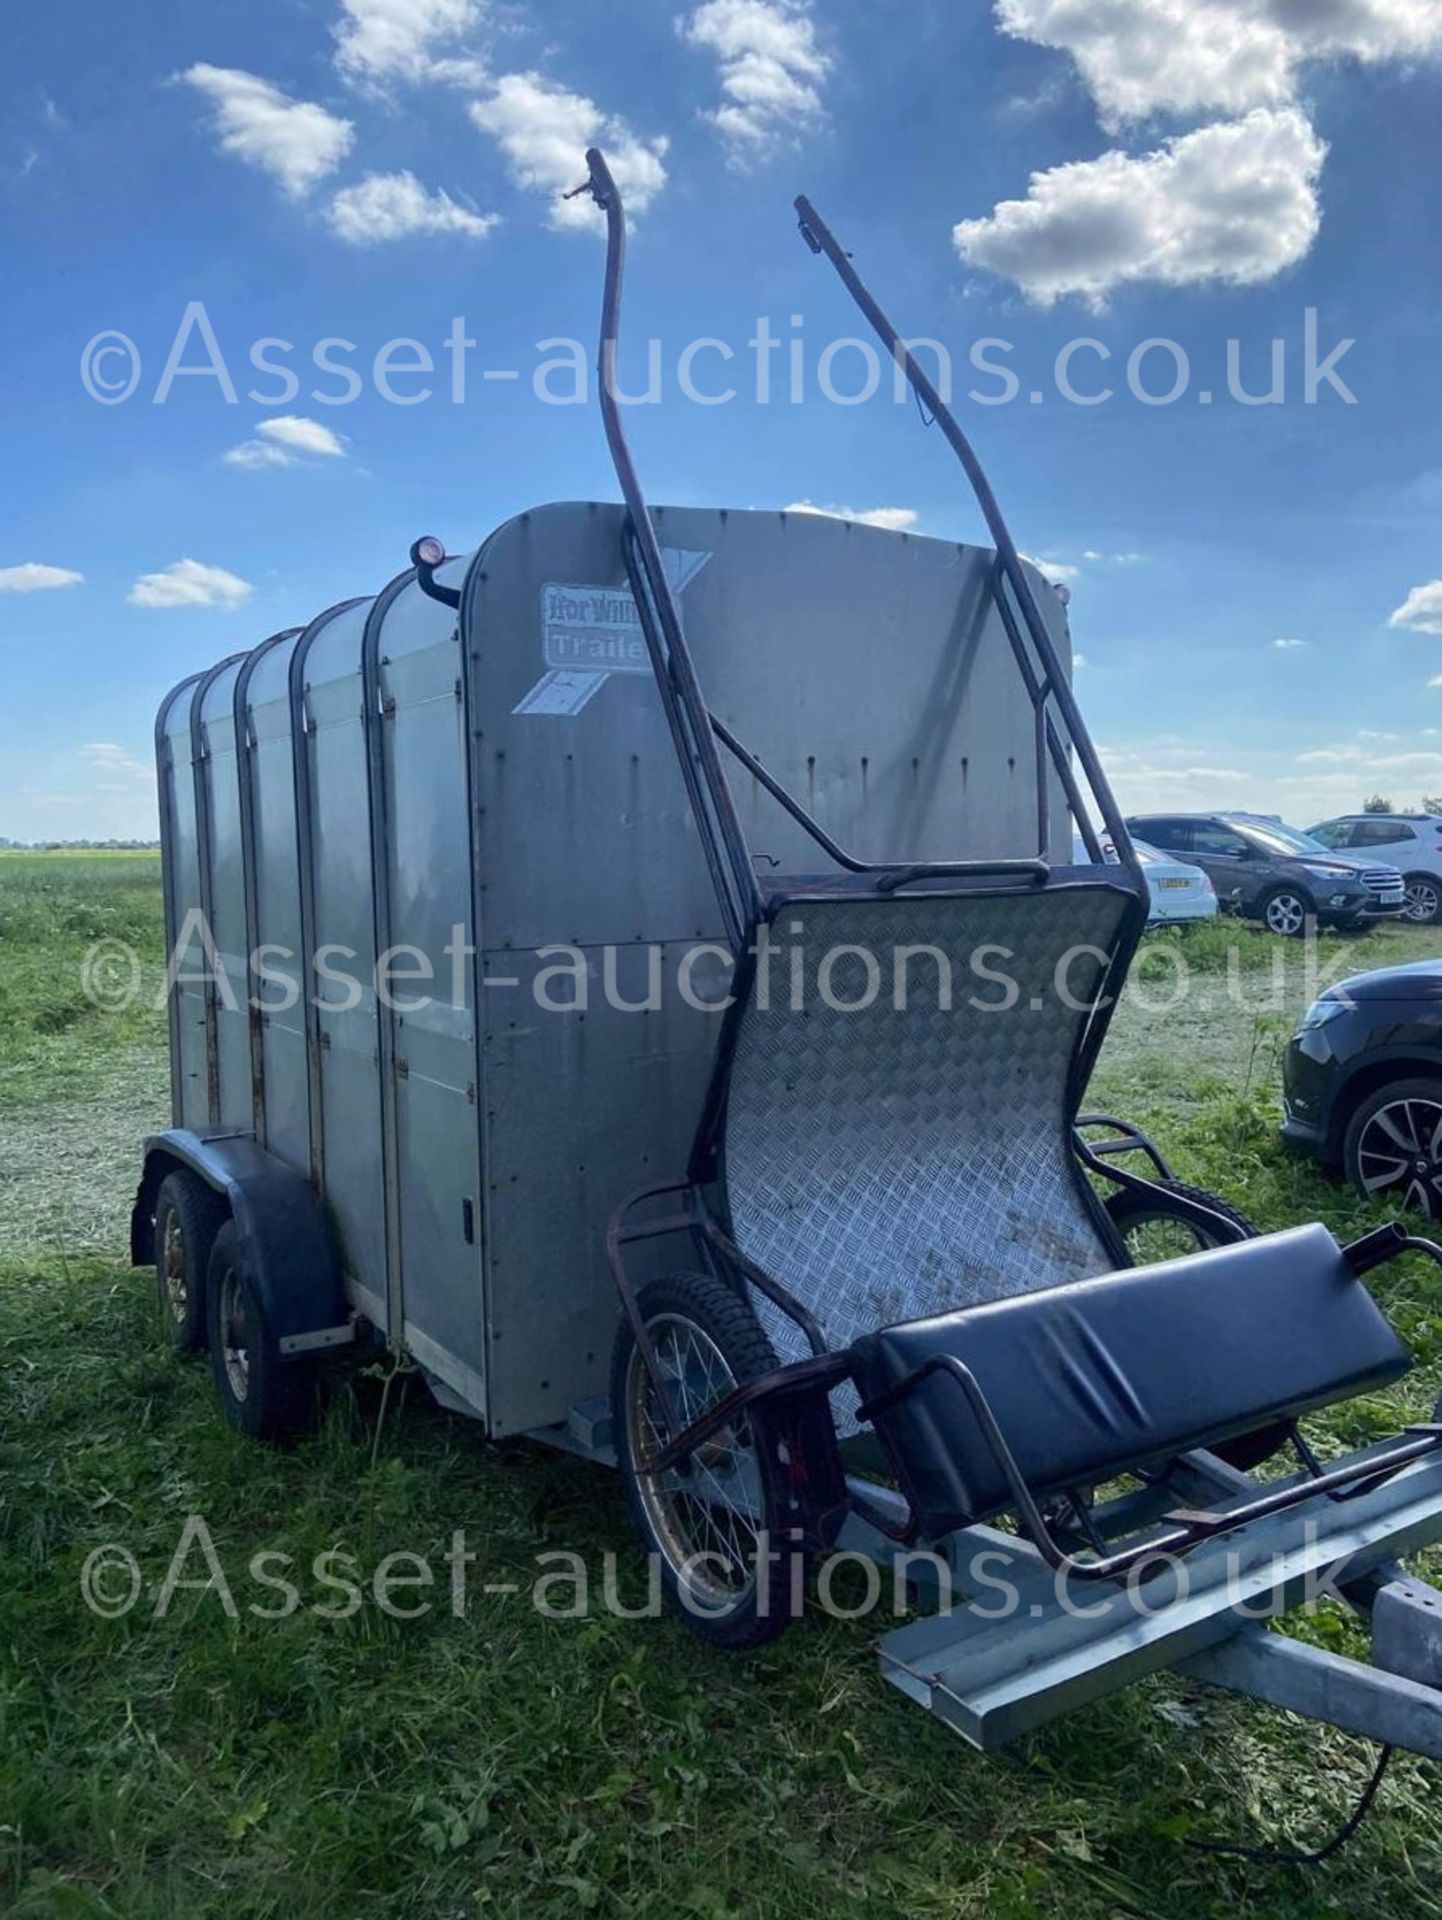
(428, 551)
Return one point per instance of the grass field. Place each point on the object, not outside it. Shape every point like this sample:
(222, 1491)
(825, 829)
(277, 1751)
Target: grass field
(198, 1764)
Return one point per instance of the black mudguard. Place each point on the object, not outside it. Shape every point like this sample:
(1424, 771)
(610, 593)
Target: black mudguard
(285, 1241)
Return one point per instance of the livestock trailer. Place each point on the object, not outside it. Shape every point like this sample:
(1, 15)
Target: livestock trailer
(637, 970)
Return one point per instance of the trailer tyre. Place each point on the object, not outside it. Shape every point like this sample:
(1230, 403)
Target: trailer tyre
(188, 1216)
(261, 1394)
(733, 1578)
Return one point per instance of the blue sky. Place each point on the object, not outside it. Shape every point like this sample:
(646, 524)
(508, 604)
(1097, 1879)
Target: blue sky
(1197, 171)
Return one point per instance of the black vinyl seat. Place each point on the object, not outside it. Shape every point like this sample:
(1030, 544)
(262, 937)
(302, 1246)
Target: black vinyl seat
(1093, 1377)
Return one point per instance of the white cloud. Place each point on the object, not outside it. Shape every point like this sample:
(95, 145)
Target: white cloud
(254, 456)
(1235, 202)
(1054, 570)
(1283, 644)
(120, 767)
(189, 583)
(1421, 610)
(1139, 57)
(1435, 681)
(31, 577)
(381, 40)
(294, 431)
(295, 141)
(771, 70)
(544, 132)
(893, 519)
(393, 206)
(1301, 783)
(287, 435)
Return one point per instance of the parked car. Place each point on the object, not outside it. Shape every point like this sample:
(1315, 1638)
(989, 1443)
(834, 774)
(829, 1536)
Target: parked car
(1411, 841)
(1274, 873)
(1362, 1083)
(1179, 891)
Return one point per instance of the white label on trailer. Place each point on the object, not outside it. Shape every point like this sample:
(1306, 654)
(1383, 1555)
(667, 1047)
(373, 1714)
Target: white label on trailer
(560, 693)
(590, 632)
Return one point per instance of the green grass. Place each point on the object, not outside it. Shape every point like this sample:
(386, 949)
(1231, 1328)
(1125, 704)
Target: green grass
(504, 1763)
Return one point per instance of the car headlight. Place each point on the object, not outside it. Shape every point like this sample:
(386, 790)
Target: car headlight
(1330, 873)
(1320, 1012)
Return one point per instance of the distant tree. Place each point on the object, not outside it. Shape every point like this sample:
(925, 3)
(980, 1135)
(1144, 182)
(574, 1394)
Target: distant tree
(1432, 803)
(1379, 803)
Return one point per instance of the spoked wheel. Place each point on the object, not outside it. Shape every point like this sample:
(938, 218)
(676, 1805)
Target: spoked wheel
(1152, 1231)
(1393, 1149)
(733, 1582)
(260, 1393)
(1285, 912)
(1424, 900)
(188, 1216)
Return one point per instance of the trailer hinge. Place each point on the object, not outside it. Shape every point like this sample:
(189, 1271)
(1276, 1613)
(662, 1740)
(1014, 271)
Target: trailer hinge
(388, 705)
(403, 1067)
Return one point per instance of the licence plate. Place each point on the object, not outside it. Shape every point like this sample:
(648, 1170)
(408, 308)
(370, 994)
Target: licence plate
(1169, 886)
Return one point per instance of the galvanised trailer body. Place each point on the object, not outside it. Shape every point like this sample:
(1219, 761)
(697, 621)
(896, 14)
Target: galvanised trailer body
(499, 777)
(457, 880)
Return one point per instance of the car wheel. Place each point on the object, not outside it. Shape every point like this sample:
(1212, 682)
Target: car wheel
(1393, 1149)
(1424, 900)
(1285, 912)
(188, 1216)
(707, 1524)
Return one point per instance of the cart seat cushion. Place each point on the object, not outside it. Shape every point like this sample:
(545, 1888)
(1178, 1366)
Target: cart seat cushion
(1088, 1379)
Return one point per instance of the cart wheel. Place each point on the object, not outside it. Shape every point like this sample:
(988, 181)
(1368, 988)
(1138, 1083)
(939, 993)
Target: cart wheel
(188, 1216)
(260, 1394)
(706, 1522)
(1151, 1232)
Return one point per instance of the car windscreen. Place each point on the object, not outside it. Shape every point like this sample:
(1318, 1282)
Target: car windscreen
(1276, 838)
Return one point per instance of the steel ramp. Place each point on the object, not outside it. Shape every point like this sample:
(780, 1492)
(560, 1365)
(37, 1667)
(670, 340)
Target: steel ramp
(1026, 1645)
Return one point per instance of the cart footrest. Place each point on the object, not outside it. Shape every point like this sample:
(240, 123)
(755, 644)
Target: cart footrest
(1021, 1645)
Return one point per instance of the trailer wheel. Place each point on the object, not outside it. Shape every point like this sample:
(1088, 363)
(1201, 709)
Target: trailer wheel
(706, 1523)
(188, 1216)
(261, 1394)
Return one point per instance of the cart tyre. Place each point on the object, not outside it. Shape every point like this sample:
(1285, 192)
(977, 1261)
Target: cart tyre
(712, 1341)
(1132, 1210)
(261, 1394)
(188, 1216)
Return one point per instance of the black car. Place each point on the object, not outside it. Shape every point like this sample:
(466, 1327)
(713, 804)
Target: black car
(1362, 1081)
(1274, 873)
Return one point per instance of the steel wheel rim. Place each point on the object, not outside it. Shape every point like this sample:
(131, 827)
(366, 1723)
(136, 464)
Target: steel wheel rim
(235, 1334)
(1286, 914)
(177, 1293)
(1400, 1152)
(1422, 898)
(704, 1520)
